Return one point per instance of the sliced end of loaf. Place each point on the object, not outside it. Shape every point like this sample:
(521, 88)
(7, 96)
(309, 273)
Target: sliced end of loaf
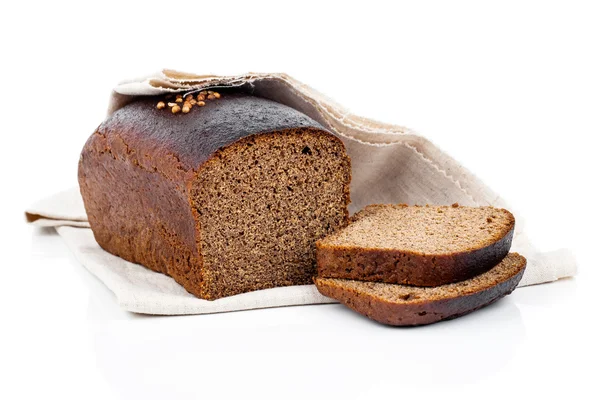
(263, 202)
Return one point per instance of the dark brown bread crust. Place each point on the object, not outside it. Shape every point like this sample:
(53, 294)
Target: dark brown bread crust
(187, 141)
(136, 172)
(419, 313)
(406, 267)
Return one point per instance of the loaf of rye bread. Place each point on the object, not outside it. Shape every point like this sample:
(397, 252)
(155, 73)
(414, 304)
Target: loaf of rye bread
(421, 246)
(226, 198)
(402, 305)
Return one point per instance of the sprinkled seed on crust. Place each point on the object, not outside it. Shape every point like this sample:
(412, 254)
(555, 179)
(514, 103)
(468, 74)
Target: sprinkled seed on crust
(160, 105)
(175, 109)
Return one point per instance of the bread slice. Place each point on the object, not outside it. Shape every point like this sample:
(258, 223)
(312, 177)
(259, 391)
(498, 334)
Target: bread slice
(414, 245)
(401, 305)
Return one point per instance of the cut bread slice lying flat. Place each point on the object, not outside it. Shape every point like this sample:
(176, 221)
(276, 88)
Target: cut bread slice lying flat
(400, 305)
(414, 245)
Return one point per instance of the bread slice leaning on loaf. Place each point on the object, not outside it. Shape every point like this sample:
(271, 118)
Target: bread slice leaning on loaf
(226, 195)
(402, 305)
(414, 245)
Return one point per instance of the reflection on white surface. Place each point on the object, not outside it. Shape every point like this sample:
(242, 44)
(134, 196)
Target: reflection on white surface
(526, 337)
(267, 349)
(271, 349)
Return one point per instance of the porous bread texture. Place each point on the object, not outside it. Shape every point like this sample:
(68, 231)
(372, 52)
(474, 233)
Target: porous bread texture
(427, 229)
(417, 245)
(226, 199)
(262, 204)
(402, 305)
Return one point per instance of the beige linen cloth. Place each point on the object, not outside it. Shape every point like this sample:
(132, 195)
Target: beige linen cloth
(390, 164)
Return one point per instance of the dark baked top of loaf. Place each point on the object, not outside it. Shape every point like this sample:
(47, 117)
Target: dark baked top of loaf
(193, 137)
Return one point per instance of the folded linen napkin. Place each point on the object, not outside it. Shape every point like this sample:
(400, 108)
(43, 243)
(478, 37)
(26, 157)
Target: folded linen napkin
(390, 164)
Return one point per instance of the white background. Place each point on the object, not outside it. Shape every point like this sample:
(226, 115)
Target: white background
(512, 90)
